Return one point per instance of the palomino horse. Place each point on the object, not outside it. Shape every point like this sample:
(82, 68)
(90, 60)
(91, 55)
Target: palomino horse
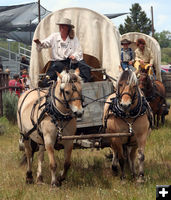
(154, 92)
(44, 115)
(127, 112)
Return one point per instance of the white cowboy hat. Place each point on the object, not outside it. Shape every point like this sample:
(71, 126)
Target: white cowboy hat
(65, 21)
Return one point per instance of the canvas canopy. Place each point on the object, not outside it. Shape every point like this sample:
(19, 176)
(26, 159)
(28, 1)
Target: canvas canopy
(151, 43)
(97, 35)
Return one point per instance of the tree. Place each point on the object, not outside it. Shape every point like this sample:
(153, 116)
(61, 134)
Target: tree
(164, 39)
(166, 55)
(136, 22)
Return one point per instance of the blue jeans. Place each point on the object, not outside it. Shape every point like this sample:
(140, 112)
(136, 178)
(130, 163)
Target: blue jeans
(125, 65)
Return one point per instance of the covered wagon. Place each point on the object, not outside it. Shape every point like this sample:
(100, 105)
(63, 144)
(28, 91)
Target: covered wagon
(100, 42)
(151, 43)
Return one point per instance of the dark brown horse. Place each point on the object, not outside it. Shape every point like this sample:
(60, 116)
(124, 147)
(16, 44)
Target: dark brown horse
(154, 92)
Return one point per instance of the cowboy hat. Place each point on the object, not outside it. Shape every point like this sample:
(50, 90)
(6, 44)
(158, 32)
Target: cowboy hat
(125, 41)
(65, 21)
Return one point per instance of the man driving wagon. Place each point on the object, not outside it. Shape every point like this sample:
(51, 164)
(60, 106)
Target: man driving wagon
(66, 52)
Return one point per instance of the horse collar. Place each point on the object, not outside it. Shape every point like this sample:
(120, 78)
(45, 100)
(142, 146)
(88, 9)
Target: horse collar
(139, 109)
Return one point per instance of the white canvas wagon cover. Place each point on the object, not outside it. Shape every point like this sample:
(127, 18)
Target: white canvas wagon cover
(97, 35)
(151, 43)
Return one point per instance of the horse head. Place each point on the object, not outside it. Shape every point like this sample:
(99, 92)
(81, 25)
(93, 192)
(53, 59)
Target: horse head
(127, 88)
(70, 91)
(144, 81)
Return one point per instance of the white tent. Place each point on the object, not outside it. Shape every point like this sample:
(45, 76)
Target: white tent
(97, 35)
(151, 43)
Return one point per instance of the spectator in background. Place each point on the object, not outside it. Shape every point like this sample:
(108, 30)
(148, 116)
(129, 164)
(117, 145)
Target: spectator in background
(8, 71)
(1, 66)
(24, 64)
(26, 79)
(16, 85)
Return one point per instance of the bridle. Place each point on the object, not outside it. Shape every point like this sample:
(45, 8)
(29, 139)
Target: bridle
(133, 95)
(65, 102)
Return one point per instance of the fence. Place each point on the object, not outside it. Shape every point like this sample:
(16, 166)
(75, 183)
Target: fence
(4, 78)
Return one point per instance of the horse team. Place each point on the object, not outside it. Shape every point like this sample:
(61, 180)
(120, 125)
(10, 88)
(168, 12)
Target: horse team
(46, 114)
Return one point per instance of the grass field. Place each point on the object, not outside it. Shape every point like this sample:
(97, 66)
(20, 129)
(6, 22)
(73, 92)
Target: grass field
(90, 176)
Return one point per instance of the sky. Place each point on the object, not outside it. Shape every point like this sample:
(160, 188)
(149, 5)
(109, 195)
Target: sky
(161, 8)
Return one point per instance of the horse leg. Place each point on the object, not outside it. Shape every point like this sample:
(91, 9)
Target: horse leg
(115, 163)
(154, 117)
(28, 152)
(141, 157)
(132, 161)
(158, 119)
(67, 161)
(163, 119)
(49, 146)
(117, 147)
(40, 161)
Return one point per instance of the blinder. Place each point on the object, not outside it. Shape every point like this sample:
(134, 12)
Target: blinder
(133, 96)
(74, 89)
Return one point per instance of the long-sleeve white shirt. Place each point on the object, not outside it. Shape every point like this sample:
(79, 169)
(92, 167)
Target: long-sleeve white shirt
(61, 49)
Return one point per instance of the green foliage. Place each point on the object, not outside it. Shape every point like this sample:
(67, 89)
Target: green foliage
(166, 55)
(10, 101)
(164, 39)
(136, 22)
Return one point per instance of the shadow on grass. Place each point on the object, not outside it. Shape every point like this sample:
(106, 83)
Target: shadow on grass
(95, 174)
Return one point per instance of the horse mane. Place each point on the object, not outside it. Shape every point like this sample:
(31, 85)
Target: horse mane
(128, 75)
(68, 77)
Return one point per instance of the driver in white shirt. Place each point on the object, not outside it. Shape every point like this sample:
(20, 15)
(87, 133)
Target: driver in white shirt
(66, 51)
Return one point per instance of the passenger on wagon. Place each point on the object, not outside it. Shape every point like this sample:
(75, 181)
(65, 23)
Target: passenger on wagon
(66, 51)
(127, 55)
(144, 58)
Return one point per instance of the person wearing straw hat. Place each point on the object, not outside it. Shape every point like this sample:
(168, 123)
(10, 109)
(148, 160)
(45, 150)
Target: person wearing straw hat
(66, 51)
(127, 55)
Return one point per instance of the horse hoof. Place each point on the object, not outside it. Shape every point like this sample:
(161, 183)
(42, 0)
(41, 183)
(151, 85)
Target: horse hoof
(122, 177)
(29, 177)
(39, 180)
(56, 184)
(133, 176)
(29, 181)
(60, 179)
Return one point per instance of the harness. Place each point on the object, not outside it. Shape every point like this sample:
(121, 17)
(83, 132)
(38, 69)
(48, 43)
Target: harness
(48, 108)
(139, 110)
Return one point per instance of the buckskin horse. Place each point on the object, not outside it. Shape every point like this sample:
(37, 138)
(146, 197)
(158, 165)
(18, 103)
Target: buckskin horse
(126, 111)
(155, 94)
(45, 114)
